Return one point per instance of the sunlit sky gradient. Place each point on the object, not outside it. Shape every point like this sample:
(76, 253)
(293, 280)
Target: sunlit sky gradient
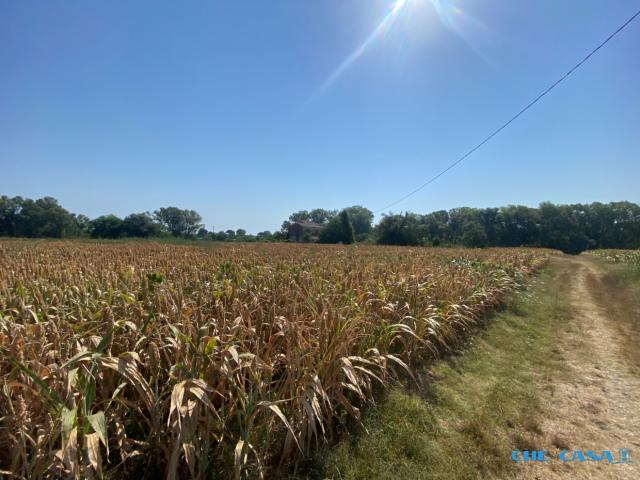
(248, 111)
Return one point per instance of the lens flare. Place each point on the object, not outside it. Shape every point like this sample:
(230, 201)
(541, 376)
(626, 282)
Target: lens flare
(382, 28)
(449, 14)
(460, 22)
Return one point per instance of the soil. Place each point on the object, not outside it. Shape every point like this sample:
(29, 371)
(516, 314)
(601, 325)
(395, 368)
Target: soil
(596, 405)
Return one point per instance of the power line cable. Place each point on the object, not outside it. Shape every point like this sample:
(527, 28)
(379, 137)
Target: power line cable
(504, 125)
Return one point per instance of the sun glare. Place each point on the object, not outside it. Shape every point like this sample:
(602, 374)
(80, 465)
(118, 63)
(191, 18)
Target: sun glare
(378, 32)
(451, 16)
(398, 5)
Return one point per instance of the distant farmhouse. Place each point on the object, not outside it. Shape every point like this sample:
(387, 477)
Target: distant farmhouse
(304, 231)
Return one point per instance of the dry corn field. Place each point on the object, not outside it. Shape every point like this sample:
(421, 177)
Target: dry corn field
(147, 360)
(631, 257)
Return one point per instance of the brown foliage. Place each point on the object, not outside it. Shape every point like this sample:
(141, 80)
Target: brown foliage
(146, 358)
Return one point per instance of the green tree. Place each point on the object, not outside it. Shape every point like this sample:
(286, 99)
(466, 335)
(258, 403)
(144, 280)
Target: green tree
(338, 230)
(107, 226)
(264, 236)
(219, 236)
(301, 216)
(560, 228)
(402, 229)
(44, 218)
(518, 225)
(322, 216)
(467, 226)
(436, 228)
(179, 222)
(83, 224)
(348, 235)
(140, 225)
(332, 233)
(361, 219)
(474, 235)
(317, 215)
(9, 211)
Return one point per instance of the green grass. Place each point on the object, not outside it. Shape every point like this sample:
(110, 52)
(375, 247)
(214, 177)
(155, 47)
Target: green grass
(628, 275)
(473, 408)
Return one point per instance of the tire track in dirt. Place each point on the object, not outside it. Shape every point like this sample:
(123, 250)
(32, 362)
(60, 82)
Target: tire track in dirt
(596, 405)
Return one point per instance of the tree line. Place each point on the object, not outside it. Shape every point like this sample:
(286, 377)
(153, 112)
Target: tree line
(46, 218)
(570, 228)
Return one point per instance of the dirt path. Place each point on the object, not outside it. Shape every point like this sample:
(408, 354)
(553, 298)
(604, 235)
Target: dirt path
(597, 405)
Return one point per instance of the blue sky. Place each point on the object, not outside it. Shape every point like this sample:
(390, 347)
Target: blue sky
(241, 111)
